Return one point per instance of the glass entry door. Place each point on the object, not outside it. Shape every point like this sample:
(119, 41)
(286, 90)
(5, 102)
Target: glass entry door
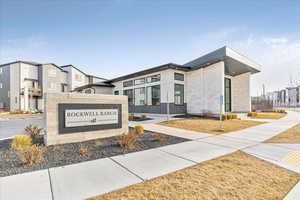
(227, 95)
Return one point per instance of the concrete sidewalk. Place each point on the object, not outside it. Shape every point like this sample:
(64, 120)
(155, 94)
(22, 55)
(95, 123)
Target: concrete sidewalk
(87, 179)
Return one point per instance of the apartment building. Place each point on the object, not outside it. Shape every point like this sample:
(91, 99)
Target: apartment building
(23, 84)
(216, 82)
(288, 97)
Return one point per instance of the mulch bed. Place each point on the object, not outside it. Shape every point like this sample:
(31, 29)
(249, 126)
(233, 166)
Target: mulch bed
(66, 154)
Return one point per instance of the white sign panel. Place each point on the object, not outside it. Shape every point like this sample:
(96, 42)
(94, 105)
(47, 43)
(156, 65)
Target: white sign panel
(90, 117)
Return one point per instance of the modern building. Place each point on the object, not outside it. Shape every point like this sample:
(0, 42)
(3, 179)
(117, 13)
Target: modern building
(288, 97)
(216, 82)
(23, 84)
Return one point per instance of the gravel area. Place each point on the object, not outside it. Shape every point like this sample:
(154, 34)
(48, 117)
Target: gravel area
(66, 154)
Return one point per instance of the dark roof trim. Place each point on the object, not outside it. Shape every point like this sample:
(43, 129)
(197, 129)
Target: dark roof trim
(33, 63)
(151, 70)
(63, 66)
(19, 61)
(206, 64)
(55, 66)
(93, 85)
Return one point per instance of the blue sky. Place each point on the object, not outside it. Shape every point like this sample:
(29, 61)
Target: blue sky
(109, 38)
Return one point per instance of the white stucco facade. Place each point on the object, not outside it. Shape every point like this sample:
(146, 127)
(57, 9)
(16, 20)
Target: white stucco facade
(204, 88)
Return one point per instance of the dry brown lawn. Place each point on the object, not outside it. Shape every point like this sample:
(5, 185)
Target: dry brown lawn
(12, 116)
(237, 176)
(269, 115)
(291, 136)
(210, 126)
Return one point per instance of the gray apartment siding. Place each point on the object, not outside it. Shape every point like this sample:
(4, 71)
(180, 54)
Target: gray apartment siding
(4, 91)
(53, 78)
(15, 86)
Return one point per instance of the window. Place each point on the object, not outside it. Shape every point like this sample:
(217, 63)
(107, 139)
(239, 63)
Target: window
(116, 92)
(128, 83)
(140, 96)
(153, 78)
(179, 77)
(129, 94)
(89, 91)
(64, 88)
(179, 94)
(153, 95)
(227, 95)
(1, 85)
(139, 81)
(1, 70)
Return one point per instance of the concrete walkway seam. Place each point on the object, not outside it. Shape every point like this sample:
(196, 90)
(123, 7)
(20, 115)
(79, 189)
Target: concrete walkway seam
(126, 168)
(50, 181)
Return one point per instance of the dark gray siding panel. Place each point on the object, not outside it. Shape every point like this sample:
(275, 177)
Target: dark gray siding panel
(217, 54)
(161, 109)
(5, 80)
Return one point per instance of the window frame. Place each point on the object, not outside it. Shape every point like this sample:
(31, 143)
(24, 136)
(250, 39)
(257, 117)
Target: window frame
(130, 85)
(178, 95)
(149, 79)
(150, 87)
(145, 96)
(125, 94)
(176, 74)
(144, 78)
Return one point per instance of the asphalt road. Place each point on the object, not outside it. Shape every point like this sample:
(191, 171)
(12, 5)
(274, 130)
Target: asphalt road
(12, 127)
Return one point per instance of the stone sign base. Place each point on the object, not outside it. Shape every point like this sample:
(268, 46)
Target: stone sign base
(76, 117)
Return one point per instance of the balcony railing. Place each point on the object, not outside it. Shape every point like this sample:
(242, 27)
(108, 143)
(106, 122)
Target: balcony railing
(32, 91)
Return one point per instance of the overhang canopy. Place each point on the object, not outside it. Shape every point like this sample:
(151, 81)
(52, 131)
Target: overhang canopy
(235, 63)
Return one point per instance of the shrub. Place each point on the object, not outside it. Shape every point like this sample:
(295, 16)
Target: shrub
(252, 114)
(143, 116)
(224, 116)
(16, 111)
(159, 137)
(21, 141)
(31, 154)
(131, 117)
(229, 116)
(127, 141)
(83, 150)
(279, 110)
(234, 116)
(33, 131)
(139, 129)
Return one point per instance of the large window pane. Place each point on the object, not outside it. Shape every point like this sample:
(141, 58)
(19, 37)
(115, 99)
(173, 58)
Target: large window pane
(140, 96)
(153, 95)
(179, 94)
(129, 94)
(128, 83)
(227, 95)
(179, 77)
(139, 81)
(153, 78)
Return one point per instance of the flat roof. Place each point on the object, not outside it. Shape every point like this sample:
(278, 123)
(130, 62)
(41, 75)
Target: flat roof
(150, 71)
(100, 84)
(70, 65)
